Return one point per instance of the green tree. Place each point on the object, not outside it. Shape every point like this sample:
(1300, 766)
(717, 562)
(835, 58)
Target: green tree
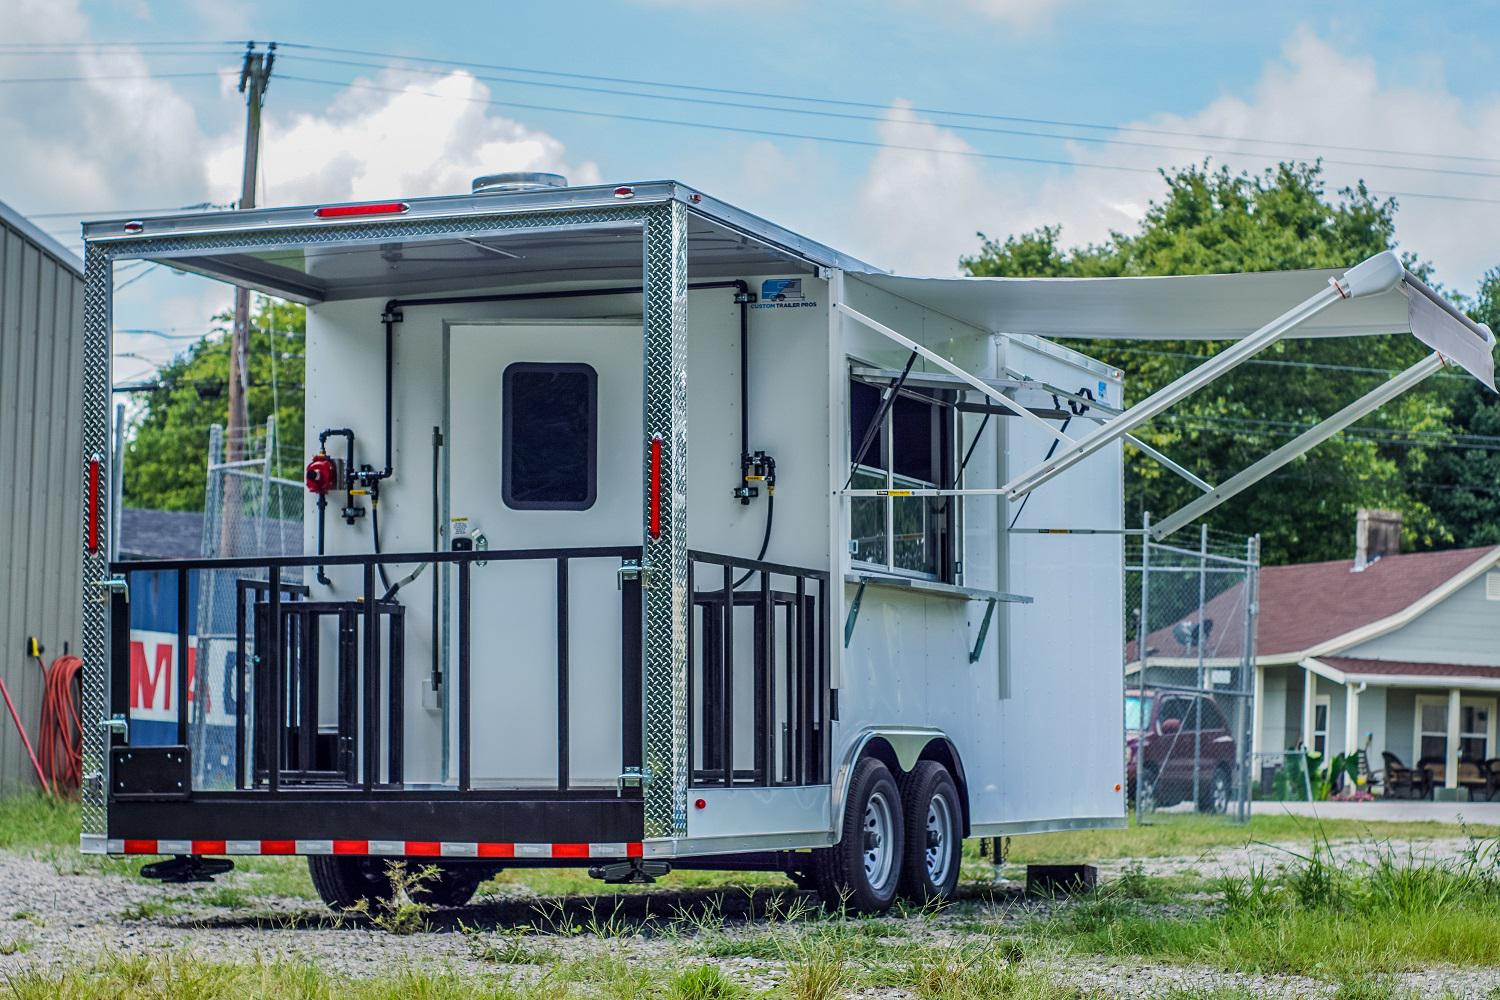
(166, 458)
(1462, 482)
(1215, 221)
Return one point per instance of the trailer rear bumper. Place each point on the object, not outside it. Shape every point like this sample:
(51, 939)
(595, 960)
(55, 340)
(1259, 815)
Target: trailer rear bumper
(470, 826)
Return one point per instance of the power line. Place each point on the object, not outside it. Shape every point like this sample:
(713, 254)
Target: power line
(198, 206)
(811, 137)
(871, 105)
(881, 119)
(104, 76)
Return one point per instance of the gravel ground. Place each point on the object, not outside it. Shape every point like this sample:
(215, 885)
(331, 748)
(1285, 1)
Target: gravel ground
(52, 919)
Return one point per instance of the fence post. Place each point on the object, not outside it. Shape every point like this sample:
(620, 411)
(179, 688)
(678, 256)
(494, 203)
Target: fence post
(1203, 686)
(1142, 652)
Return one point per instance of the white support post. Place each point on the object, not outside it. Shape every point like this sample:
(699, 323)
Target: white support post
(1450, 766)
(1309, 706)
(1257, 719)
(1183, 386)
(1300, 445)
(952, 369)
(1351, 719)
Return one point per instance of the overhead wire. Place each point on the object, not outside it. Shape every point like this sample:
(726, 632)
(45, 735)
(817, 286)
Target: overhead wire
(880, 119)
(874, 105)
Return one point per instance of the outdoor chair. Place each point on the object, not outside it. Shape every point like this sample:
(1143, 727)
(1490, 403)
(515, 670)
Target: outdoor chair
(1413, 782)
(1491, 771)
(1371, 779)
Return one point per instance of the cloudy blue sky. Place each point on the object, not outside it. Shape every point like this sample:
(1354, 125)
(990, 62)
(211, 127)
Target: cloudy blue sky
(949, 118)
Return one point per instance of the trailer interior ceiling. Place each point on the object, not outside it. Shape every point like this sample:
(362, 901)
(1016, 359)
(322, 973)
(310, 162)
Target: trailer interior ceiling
(605, 253)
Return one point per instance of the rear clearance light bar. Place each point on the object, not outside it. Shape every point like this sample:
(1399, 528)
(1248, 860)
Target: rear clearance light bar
(357, 211)
(403, 848)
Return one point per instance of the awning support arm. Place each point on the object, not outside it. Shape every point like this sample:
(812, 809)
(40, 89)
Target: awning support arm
(1300, 445)
(952, 369)
(1185, 385)
(1168, 464)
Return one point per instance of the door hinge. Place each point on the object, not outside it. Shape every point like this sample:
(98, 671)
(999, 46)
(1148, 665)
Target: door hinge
(116, 584)
(632, 777)
(632, 570)
(116, 725)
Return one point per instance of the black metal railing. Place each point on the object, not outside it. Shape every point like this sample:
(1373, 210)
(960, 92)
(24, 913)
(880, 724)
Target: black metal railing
(278, 747)
(790, 698)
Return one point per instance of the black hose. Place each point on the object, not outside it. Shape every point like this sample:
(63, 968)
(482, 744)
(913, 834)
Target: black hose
(765, 541)
(322, 519)
(375, 537)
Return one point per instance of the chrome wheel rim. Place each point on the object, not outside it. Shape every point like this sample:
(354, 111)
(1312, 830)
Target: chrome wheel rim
(939, 853)
(1221, 793)
(879, 825)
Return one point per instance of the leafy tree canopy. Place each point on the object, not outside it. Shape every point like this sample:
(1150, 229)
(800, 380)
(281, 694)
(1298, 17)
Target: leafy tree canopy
(166, 460)
(1215, 221)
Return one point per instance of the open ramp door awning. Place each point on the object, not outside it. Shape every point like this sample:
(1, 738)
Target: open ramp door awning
(1376, 296)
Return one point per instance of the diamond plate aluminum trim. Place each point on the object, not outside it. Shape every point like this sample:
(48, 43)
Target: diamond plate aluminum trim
(97, 292)
(665, 597)
(97, 313)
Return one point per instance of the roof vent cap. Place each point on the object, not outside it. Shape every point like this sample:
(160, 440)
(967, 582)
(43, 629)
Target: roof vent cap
(517, 180)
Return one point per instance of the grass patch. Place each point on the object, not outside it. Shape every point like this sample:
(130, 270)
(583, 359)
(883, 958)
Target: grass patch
(1310, 916)
(1189, 835)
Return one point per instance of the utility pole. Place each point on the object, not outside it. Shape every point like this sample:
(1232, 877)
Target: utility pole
(255, 74)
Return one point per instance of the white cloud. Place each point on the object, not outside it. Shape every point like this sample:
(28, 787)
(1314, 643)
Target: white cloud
(398, 140)
(919, 211)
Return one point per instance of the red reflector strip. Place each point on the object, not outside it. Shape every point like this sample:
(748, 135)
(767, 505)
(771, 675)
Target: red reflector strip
(411, 848)
(94, 504)
(656, 486)
(350, 211)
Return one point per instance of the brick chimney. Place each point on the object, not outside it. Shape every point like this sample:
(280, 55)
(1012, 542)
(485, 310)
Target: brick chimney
(1376, 533)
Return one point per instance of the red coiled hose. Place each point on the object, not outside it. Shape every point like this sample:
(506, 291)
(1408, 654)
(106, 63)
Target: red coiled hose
(60, 739)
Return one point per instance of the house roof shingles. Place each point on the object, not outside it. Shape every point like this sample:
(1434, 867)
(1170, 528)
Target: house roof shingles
(1307, 604)
(1399, 668)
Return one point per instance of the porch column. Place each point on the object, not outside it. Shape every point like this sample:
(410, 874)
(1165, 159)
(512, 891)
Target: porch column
(1309, 695)
(1450, 767)
(1351, 719)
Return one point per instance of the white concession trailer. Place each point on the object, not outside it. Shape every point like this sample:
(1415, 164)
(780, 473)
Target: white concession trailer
(642, 532)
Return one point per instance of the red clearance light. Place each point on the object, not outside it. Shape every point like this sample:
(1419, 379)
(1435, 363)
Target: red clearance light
(655, 522)
(374, 208)
(624, 192)
(135, 227)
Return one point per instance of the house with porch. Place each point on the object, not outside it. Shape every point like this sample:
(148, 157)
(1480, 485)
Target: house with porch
(1396, 652)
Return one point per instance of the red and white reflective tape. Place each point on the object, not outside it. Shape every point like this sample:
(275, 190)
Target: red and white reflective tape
(399, 848)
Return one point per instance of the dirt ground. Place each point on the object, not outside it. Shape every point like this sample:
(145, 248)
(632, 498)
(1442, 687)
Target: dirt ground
(49, 918)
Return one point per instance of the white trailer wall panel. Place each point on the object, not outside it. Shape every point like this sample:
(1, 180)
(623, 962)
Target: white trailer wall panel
(41, 496)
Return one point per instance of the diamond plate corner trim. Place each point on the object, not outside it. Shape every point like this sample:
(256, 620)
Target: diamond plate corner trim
(665, 597)
(97, 309)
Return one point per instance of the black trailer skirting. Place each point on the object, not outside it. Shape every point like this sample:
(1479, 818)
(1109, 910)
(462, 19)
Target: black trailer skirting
(471, 818)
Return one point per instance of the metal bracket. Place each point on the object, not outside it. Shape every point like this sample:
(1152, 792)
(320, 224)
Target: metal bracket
(116, 725)
(859, 595)
(116, 584)
(632, 777)
(632, 570)
(745, 298)
(984, 630)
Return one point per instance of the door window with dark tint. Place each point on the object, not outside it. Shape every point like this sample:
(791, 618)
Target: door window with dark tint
(550, 414)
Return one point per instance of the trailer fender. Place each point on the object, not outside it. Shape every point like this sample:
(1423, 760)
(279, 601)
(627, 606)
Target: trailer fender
(899, 748)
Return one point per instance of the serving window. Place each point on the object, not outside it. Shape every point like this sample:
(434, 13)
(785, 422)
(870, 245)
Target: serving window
(549, 454)
(907, 445)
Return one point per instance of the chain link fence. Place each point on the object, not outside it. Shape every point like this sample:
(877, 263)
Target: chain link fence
(247, 511)
(1190, 677)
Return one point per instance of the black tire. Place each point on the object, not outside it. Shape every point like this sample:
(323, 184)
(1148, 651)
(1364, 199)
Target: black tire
(934, 832)
(452, 886)
(344, 882)
(863, 870)
(1214, 798)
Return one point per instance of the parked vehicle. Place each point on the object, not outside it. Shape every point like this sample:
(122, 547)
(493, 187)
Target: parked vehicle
(1173, 737)
(546, 617)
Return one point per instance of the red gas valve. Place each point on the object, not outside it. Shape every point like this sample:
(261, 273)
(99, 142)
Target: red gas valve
(321, 474)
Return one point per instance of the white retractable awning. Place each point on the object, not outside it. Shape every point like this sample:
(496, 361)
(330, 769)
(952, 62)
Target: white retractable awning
(1377, 296)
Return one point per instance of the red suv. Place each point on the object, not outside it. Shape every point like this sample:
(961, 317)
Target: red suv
(1160, 731)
